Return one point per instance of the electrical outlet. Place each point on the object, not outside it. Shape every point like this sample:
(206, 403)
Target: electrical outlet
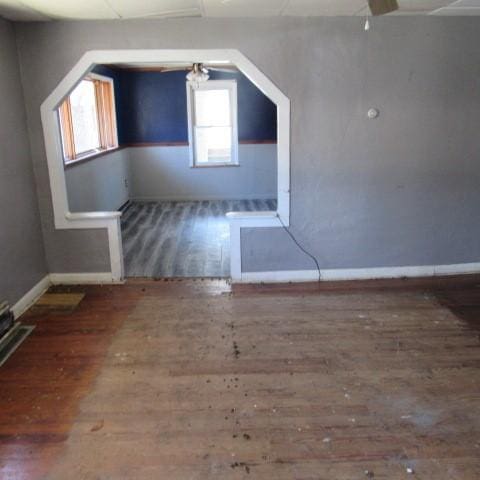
(126, 183)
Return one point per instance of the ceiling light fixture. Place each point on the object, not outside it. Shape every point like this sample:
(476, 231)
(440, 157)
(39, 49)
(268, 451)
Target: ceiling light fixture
(198, 74)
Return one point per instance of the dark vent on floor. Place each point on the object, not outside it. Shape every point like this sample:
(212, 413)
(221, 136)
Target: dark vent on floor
(13, 339)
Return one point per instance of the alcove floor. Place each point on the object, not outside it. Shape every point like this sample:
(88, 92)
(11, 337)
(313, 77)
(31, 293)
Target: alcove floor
(181, 238)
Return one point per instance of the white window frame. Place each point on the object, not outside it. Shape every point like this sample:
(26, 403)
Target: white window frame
(103, 78)
(91, 76)
(231, 86)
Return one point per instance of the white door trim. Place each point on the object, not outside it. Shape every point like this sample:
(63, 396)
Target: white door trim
(64, 219)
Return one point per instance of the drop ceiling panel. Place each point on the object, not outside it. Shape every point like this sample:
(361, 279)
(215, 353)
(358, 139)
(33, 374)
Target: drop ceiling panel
(421, 6)
(78, 10)
(455, 12)
(465, 4)
(243, 8)
(307, 8)
(460, 7)
(112, 9)
(14, 10)
(154, 8)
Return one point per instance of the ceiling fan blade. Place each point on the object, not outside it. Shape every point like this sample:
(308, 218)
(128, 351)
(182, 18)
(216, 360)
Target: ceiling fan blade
(222, 69)
(381, 7)
(175, 69)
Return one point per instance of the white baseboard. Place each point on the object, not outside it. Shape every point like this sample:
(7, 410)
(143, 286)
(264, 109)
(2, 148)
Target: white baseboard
(60, 279)
(31, 296)
(286, 276)
(283, 276)
(82, 278)
(186, 198)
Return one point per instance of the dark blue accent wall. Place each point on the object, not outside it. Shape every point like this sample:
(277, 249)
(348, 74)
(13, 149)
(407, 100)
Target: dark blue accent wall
(152, 107)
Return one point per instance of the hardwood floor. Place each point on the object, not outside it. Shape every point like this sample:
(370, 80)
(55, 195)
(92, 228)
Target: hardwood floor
(195, 380)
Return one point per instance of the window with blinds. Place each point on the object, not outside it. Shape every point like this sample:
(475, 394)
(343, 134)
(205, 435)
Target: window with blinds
(88, 119)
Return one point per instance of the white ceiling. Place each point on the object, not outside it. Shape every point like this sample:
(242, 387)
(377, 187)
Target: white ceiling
(34, 10)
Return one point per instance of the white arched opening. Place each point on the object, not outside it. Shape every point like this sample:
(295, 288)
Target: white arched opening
(64, 219)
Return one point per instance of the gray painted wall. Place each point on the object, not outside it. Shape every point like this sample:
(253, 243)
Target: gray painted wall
(400, 190)
(165, 173)
(22, 258)
(99, 184)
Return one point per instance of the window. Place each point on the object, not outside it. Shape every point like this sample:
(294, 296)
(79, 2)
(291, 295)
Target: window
(87, 119)
(212, 123)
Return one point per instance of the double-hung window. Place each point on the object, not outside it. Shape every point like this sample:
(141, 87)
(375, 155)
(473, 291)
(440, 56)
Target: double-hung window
(88, 119)
(212, 123)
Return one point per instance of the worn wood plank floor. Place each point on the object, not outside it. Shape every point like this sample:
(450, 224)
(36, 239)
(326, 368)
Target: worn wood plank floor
(181, 239)
(191, 380)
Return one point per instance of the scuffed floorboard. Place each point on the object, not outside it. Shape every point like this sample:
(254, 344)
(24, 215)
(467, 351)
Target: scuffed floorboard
(194, 381)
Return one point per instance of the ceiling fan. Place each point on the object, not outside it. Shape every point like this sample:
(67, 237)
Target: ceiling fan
(381, 7)
(200, 67)
(198, 72)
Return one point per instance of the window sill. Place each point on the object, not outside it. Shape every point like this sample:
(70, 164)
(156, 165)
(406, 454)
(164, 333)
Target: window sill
(90, 156)
(214, 165)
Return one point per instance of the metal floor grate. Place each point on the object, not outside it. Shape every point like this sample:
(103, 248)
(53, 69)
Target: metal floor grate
(13, 339)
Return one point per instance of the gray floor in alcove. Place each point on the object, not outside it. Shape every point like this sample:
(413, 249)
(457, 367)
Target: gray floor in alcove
(181, 239)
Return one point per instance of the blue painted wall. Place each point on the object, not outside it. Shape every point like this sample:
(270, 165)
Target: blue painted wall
(152, 107)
